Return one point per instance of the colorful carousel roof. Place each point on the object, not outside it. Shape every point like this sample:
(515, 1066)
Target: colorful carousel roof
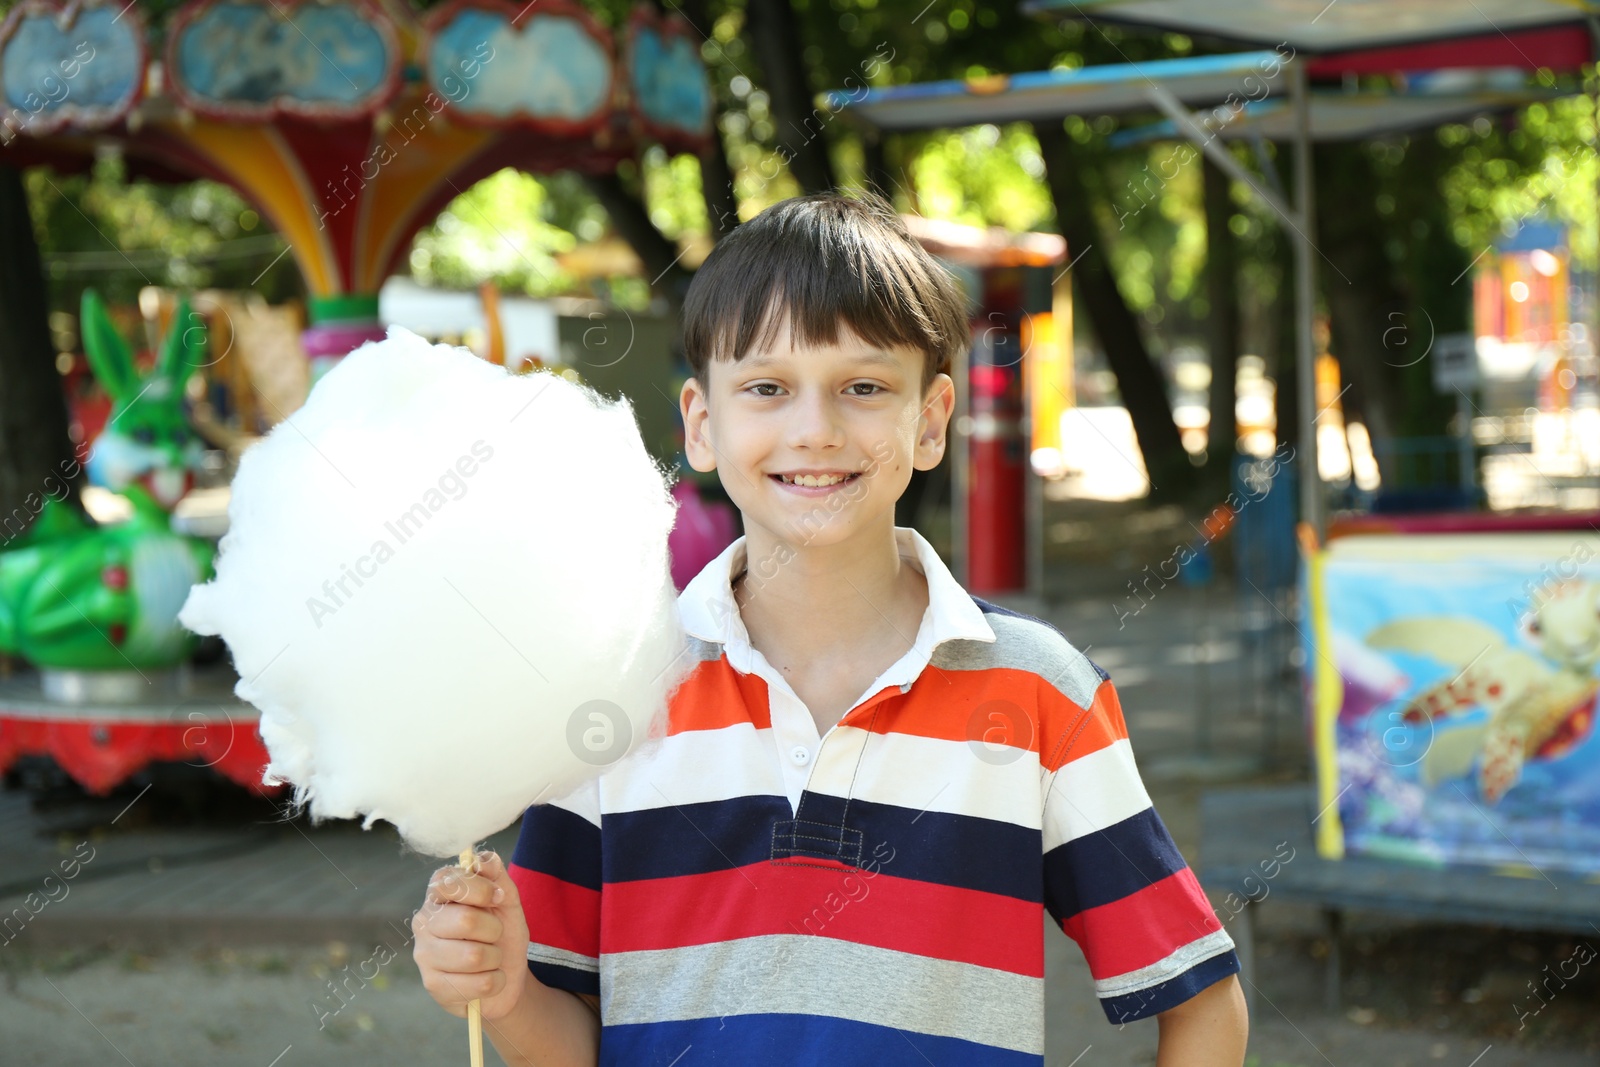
(348, 123)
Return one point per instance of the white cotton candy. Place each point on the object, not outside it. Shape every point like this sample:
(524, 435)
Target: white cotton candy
(447, 589)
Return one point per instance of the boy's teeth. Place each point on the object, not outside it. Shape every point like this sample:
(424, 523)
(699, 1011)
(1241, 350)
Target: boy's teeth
(813, 479)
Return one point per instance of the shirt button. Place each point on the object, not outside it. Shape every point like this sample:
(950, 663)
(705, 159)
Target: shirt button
(800, 754)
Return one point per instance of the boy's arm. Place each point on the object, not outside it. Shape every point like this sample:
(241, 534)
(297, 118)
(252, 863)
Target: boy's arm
(1114, 880)
(1207, 1030)
(548, 1027)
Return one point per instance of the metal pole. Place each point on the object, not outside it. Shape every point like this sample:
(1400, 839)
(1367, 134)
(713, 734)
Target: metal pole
(961, 459)
(1311, 502)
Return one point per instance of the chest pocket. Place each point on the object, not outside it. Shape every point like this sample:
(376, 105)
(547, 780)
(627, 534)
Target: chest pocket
(804, 842)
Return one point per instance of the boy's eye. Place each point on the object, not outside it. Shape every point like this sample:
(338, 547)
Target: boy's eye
(764, 385)
(868, 385)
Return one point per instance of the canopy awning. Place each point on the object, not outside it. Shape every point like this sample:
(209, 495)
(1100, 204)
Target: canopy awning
(1337, 116)
(1321, 27)
(1109, 89)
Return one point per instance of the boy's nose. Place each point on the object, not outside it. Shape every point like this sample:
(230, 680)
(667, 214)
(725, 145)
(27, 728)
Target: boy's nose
(815, 422)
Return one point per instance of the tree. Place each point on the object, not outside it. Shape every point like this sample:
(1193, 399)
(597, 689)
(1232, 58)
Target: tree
(1144, 391)
(34, 442)
(775, 35)
(1222, 304)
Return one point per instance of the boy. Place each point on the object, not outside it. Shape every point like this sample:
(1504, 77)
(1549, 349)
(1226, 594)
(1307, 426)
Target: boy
(873, 782)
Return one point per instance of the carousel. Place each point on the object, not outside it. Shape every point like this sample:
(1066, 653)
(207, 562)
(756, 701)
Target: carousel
(349, 125)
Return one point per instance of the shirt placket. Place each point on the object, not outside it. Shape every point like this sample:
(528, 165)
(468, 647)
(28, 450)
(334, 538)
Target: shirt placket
(799, 748)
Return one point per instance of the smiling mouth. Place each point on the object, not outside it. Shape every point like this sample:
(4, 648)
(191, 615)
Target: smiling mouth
(815, 481)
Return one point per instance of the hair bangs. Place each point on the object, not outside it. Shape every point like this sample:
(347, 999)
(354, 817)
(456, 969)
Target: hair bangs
(815, 263)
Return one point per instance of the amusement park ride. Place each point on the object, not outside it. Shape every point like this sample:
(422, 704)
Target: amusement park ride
(348, 124)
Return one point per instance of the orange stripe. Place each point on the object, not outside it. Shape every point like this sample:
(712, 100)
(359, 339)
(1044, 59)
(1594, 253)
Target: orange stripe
(715, 695)
(1072, 732)
(943, 705)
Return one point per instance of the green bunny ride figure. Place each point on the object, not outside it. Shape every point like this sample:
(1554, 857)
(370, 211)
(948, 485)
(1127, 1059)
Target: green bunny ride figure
(77, 595)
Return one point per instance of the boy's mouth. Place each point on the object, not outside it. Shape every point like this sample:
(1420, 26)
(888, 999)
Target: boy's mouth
(814, 481)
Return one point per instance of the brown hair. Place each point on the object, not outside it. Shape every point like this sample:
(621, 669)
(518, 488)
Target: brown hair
(824, 259)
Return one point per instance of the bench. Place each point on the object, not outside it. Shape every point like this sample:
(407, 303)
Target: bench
(1247, 833)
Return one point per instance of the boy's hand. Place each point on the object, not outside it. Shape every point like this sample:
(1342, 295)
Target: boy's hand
(472, 939)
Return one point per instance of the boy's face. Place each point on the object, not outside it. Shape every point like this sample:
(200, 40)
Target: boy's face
(849, 410)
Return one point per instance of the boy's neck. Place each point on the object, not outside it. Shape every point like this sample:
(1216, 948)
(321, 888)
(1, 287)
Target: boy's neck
(811, 602)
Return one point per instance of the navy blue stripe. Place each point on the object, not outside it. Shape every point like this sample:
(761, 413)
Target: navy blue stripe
(715, 835)
(787, 1040)
(572, 979)
(963, 851)
(1109, 864)
(1174, 991)
(559, 843)
(996, 609)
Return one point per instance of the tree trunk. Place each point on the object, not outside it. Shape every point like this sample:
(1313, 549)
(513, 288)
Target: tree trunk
(874, 151)
(716, 177)
(774, 35)
(1366, 311)
(1139, 380)
(716, 185)
(1222, 296)
(36, 451)
(632, 220)
(1438, 277)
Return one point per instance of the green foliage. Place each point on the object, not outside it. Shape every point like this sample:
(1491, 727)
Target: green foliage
(983, 176)
(102, 230)
(496, 229)
(1446, 205)
(1542, 165)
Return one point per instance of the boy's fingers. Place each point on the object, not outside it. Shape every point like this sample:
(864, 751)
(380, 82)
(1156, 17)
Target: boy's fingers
(451, 885)
(493, 868)
(458, 922)
(457, 957)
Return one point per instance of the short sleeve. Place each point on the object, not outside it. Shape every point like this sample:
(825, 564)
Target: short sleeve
(556, 868)
(1113, 878)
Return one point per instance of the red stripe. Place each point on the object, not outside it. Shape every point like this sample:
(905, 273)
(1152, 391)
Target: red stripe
(559, 914)
(903, 914)
(1556, 47)
(1144, 927)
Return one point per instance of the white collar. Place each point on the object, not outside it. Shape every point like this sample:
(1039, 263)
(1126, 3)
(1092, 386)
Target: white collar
(709, 611)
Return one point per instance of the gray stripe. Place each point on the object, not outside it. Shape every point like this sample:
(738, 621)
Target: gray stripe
(561, 957)
(816, 975)
(1213, 944)
(1025, 645)
(701, 651)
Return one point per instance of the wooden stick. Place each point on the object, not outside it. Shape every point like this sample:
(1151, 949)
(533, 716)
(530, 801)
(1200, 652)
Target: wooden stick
(469, 863)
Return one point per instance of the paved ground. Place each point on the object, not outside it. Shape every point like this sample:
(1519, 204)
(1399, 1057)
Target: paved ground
(211, 934)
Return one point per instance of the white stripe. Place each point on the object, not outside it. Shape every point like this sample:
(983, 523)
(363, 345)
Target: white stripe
(905, 770)
(1197, 951)
(986, 781)
(1091, 793)
(696, 766)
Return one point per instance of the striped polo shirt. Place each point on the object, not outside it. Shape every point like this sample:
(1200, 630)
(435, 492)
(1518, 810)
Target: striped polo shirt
(748, 892)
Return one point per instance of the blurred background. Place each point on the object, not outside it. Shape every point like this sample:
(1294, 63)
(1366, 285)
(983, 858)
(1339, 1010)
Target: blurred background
(1282, 402)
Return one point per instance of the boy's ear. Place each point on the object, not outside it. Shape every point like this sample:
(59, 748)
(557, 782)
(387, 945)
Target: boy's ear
(934, 423)
(692, 407)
